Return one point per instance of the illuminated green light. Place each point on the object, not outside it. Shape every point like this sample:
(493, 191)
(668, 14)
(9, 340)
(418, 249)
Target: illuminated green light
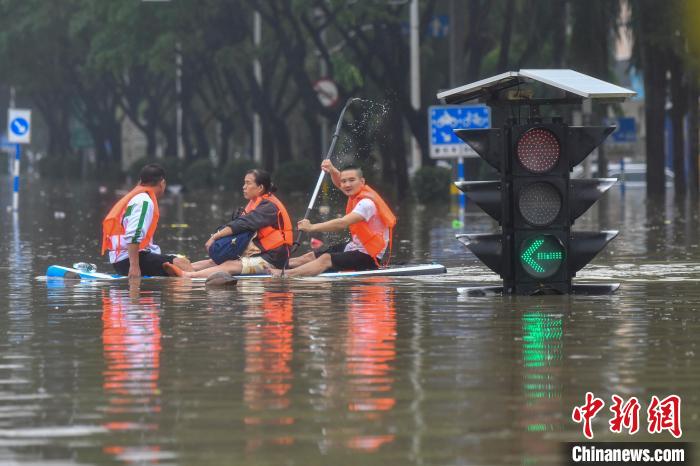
(541, 255)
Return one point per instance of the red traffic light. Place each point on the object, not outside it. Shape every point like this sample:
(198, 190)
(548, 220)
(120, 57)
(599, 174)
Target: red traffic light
(538, 150)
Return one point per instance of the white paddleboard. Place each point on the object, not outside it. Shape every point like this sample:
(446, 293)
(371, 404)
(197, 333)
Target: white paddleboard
(59, 271)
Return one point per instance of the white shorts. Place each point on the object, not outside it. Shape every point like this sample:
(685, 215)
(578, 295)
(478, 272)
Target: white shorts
(254, 265)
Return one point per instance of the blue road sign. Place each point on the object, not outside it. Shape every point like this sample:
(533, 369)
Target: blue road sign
(444, 119)
(19, 126)
(626, 130)
(439, 26)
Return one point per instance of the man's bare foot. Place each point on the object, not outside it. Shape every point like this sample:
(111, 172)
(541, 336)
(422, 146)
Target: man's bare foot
(173, 270)
(184, 264)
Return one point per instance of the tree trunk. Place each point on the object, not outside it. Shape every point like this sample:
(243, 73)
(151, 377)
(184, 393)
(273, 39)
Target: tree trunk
(313, 149)
(476, 42)
(457, 40)
(506, 34)
(693, 142)
(599, 114)
(398, 151)
(678, 99)
(654, 112)
(224, 141)
(559, 33)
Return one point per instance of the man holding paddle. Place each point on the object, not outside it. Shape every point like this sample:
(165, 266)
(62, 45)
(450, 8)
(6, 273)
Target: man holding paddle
(368, 218)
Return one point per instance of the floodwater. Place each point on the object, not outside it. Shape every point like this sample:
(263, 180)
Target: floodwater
(316, 372)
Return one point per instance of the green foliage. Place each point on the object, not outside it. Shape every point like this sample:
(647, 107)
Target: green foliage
(296, 176)
(347, 74)
(432, 184)
(173, 168)
(231, 177)
(199, 174)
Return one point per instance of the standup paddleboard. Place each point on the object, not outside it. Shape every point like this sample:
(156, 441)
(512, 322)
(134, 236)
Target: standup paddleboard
(59, 271)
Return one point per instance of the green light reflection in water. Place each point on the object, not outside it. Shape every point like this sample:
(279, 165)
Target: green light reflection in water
(542, 352)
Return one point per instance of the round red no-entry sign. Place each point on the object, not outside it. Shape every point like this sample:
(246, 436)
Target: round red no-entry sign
(327, 92)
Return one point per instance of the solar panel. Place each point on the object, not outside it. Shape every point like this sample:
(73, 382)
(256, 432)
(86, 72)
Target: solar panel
(476, 89)
(567, 80)
(578, 83)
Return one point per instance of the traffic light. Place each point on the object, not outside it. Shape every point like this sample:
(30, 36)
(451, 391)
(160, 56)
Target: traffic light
(536, 202)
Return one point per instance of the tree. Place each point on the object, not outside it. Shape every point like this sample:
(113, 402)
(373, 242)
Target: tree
(651, 27)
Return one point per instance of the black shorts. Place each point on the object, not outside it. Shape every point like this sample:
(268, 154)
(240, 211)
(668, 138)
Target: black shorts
(151, 264)
(347, 260)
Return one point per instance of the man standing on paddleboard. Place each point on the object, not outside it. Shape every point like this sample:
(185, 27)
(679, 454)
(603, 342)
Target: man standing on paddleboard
(128, 229)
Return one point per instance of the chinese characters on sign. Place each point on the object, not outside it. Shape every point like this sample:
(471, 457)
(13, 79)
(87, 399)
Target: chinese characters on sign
(662, 415)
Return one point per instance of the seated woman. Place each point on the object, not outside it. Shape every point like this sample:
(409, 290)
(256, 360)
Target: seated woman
(264, 215)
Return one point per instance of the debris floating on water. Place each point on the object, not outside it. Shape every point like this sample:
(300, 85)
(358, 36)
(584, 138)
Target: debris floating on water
(221, 279)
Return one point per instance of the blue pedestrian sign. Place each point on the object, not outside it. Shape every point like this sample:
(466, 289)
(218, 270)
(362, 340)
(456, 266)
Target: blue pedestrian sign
(19, 126)
(626, 130)
(444, 119)
(439, 26)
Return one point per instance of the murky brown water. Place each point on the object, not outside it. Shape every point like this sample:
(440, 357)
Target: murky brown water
(380, 371)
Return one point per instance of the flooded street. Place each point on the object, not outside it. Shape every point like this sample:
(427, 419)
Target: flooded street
(385, 371)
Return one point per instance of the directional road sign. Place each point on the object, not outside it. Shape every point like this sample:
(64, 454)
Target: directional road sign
(19, 125)
(626, 130)
(444, 119)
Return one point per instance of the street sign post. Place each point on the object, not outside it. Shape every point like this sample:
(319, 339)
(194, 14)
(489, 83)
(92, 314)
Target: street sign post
(19, 131)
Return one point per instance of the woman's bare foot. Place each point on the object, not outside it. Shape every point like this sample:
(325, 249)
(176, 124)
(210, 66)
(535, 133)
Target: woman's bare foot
(183, 263)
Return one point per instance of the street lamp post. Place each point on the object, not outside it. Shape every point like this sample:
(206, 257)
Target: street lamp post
(178, 96)
(257, 70)
(415, 80)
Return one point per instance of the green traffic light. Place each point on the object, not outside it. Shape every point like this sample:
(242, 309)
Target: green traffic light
(541, 255)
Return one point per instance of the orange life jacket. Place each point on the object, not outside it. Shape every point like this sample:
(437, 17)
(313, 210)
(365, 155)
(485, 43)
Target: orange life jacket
(273, 237)
(373, 242)
(112, 224)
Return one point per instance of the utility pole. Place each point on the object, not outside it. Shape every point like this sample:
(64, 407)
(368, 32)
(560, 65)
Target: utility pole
(456, 42)
(178, 96)
(415, 81)
(323, 71)
(257, 71)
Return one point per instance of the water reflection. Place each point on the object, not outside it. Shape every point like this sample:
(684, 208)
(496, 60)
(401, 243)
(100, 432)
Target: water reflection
(370, 354)
(268, 374)
(542, 353)
(131, 341)
(542, 363)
